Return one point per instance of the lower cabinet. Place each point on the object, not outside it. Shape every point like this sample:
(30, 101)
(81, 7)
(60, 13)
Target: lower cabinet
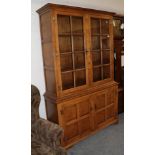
(83, 116)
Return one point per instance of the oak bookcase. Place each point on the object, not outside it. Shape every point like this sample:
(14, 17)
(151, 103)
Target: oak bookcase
(77, 45)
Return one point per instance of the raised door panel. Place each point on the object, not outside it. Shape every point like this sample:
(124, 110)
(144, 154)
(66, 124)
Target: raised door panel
(84, 108)
(70, 113)
(71, 132)
(85, 126)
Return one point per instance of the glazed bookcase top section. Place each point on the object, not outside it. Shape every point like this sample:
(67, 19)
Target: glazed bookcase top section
(55, 6)
(78, 43)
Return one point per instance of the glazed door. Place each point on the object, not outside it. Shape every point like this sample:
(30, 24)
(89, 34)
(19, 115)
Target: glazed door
(71, 46)
(101, 48)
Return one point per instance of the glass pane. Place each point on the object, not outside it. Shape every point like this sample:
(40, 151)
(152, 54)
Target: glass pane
(106, 57)
(67, 80)
(104, 26)
(66, 62)
(64, 24)
(106, 72)
(95, 42)
(79, 60)
(97, 74)
(95, 26)
(117, 30)
(105, 43)
(65, 44)
(80, 77)
(96, 57)
(77, 25)
(78, 43)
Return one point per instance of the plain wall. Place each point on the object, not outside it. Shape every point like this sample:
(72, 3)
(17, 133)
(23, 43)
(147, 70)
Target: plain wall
(37, 75)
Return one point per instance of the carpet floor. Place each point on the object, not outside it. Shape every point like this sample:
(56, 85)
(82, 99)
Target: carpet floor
(109, 141)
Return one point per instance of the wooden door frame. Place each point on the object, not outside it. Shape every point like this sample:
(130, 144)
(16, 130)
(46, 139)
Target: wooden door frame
(110, 18)
(58, 68)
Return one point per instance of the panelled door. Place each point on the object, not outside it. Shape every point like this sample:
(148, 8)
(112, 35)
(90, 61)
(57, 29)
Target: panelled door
(98, 101)
(101, 51)
(104, 107)
(76, 119)
(72, 51)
